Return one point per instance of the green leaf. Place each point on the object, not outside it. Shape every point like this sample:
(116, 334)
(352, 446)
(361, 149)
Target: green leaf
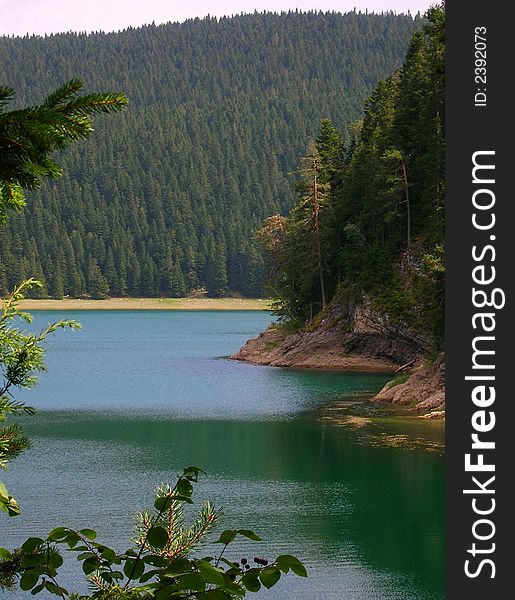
(269, 576)
(249, 534)
(184, 487)
(148, 575)
(33, 560)
(155, 559)
(54, 589)
(13, 510)
(29, 579)
(226, 537)
(10, 506)
(116, 575)
(299, 569)
(182, 498)
(213, 595)
(134, 568)
(163, 503)
(229, 563)
(5, 554)
(234, 589)
(108, 553)
(179, 565)
(211, 574)
(38, 589)
(88, 533)
(59, 533)
(158, 537)
(55, 560)
(251, 581)
(167, 592)
(31, 544)
(72, 539)
(192, 581)
(192, 473)
(90, 565)
(86, 555)
(287, 560)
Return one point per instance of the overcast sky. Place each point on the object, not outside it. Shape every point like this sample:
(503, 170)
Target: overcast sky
(19, 17)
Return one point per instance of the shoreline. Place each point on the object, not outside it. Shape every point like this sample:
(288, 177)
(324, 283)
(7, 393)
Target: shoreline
(418, 389)
(194, 303)
(328, 363)
(316, 350)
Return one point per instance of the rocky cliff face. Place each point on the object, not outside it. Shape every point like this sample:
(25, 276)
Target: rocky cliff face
(341, 339)
(424, 389)
(355, 339)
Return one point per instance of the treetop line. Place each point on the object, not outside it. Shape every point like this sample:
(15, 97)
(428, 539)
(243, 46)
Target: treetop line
(167, 199)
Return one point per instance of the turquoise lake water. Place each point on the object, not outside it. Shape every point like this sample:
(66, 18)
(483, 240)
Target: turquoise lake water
(133, 397)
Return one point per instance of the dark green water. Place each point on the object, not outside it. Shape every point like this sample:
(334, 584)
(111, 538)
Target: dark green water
(134, 396)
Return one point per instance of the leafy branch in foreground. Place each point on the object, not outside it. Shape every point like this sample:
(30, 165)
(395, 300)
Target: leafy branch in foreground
(21, 357)
(158, 567)
(29, 136)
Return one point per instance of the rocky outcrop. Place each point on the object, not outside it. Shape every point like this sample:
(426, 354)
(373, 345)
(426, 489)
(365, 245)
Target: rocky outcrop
(424, 389)
(327, 349)
(357, 339)
(331, 344)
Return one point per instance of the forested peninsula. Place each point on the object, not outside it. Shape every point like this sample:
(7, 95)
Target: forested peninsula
(166, 199)
(357, 266)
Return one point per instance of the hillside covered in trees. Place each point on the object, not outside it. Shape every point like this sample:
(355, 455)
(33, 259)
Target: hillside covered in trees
(167, 198)
(368, 225)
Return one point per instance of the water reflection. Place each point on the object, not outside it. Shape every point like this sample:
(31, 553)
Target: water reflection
(314, 486)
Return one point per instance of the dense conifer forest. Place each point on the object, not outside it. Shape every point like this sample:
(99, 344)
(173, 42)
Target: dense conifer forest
(167, 197)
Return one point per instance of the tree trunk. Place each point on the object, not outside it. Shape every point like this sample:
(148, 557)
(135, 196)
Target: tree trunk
(408, 208)
(317, 230)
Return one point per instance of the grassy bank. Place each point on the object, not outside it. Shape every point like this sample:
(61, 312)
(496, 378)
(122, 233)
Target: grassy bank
(200, 303)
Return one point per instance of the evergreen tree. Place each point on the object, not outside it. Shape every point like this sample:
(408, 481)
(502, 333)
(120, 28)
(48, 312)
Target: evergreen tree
(97, 283)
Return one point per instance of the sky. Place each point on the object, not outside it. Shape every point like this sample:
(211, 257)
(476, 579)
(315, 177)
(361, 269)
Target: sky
(19, 17)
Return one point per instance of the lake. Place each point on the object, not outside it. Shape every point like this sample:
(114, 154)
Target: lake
(355, 492)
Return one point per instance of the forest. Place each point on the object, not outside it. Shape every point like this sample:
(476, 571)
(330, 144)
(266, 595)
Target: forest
(369, 219)
(166, 199)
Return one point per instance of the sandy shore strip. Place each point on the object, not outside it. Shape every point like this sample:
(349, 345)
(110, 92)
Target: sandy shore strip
(148, 304)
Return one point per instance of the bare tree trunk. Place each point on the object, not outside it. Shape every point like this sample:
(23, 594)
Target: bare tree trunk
(317, 229)
(406, 191)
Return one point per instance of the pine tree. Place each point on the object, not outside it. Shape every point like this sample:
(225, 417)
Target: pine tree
(97, 283)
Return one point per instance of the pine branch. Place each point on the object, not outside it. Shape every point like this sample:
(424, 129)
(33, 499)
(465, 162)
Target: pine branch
(64, 93)
(12, 443)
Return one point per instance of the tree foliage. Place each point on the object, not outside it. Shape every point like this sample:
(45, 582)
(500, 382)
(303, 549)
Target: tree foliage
(21, 358)
(159, 566)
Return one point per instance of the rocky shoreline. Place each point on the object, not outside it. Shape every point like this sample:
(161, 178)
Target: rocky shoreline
(310, 350)
(424, 390)
(367, 345)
